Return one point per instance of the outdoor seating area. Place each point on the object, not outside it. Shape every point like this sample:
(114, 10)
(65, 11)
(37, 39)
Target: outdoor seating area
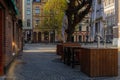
(61, 47)
(95, 62)
(60, 40)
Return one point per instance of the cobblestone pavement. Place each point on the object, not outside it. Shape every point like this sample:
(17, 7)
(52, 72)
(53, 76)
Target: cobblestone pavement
(40, 62)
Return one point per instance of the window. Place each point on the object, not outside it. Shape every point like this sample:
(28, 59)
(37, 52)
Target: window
(28, 11)
(99, 1)
(87, 29)
(28, 1)
(113, 20)
(37, 21)
(80, 28)
(37, 10)
(37, 0)
(97, 27)
(28, 22)
(109, 22)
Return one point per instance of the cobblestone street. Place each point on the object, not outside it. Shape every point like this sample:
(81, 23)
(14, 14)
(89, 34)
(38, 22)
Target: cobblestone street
(40, 62)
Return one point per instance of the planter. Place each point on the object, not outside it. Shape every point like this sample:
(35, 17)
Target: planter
(99, 61)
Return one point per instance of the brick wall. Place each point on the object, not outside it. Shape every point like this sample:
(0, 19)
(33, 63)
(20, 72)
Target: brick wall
(8, 39)
(8, 29)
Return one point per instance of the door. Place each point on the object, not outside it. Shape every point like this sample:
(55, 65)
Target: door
(39, 37)
(34, 37)
(46, 36)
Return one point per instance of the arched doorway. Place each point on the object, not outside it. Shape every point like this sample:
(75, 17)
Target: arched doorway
(72, 38)
(80, 38)
(39, 37)
(34, 37)
(46, 36)
(52, 36)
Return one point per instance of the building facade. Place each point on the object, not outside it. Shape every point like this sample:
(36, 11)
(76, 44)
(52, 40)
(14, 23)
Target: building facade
(10, 32)
(112, 17)
(97, 21)
(81, 34)
(116, 28)
(103, 20)
(37, 18)
(111, 21)
(27, 20)
(109, 10)
(40, 34)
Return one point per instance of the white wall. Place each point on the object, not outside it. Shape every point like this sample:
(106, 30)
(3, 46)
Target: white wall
(25, 16)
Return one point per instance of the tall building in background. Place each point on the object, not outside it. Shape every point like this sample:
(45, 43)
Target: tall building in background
(37, 18)
(27, 20)
(116, 28)
(103, 20)
(97, 21)
(40, 34)
(110, 21)
(81, 34)
(109, 11)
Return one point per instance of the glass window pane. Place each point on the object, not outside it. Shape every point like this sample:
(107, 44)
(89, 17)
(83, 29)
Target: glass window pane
(37, 10)
(37, 0)
(28, 11)
(28, 22)
(28, 1)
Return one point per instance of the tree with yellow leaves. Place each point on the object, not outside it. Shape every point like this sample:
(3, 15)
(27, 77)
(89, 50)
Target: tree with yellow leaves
(75, 11)
(55, 10)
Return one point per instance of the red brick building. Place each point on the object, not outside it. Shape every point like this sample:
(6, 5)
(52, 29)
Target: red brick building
(10, 32)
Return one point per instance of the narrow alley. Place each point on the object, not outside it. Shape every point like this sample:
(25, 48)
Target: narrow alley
(40, 62)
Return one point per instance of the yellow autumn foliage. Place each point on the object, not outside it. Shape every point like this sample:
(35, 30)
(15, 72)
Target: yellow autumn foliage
(55, 10)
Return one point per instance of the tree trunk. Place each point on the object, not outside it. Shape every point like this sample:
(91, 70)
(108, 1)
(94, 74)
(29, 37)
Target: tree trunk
(70, 29)
(74, 16)
(69, 37)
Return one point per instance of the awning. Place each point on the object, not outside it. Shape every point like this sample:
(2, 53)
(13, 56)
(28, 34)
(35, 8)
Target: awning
(15, 7)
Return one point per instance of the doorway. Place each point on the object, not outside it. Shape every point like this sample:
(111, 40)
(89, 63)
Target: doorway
(34, 37)
(39, 37)
(46, 36)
